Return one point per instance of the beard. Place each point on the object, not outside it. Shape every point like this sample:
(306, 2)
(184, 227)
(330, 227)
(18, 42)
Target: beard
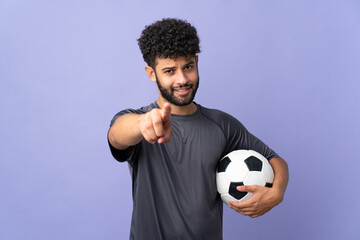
(168, 93)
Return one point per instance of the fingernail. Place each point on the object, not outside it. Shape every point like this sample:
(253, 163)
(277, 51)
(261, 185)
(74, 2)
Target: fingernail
(239, 188)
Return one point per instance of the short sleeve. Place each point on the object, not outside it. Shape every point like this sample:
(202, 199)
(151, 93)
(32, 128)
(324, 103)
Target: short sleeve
(122, 155)
(238, 137)
(128, 154)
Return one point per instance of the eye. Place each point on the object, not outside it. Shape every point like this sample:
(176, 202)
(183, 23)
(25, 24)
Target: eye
(187, 67)
(168, 71)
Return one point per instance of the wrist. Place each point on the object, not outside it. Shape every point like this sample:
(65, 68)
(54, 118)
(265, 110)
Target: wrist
(278, 194)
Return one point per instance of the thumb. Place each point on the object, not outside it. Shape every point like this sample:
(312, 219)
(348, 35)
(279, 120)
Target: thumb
(166, 112)
(247, 188)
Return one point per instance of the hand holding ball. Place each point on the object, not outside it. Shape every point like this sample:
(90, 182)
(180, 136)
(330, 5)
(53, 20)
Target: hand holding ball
(242, 167)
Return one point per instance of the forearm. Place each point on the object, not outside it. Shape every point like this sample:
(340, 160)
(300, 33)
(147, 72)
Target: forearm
(125, 132)
(281, 178)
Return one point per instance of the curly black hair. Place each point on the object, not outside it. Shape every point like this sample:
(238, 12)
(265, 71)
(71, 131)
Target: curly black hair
(168, 38)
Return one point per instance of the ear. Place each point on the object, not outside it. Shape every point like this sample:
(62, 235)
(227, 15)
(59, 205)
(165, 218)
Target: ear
(197, 59)
(151, 73)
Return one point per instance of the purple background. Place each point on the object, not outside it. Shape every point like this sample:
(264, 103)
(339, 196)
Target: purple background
(289, 70)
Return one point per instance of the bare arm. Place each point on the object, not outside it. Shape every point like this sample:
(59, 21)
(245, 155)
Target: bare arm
(125, 132)
(281, 179)
(264, 199)
(129, 129)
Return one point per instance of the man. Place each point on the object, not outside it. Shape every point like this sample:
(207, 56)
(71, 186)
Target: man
(174, 144)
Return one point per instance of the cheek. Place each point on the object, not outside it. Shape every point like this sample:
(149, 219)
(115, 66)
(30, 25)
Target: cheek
(171, 81)
(166, 82)
(193, 75)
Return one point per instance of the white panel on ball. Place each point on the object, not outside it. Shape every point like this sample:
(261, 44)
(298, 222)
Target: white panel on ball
(268, 172)
(222, 182)
(226, 198)
(255, 178)
(237, 170)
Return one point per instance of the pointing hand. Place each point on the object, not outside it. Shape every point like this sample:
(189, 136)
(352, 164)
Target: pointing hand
(155, 125)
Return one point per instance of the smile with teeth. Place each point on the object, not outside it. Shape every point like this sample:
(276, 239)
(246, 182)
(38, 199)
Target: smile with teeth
(182, 90)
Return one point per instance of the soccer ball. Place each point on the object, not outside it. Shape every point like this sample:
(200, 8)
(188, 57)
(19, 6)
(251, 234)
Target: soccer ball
(242, 167)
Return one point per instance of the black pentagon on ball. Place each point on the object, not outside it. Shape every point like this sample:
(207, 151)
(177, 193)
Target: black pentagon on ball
(223, 164)
(254, 164)
(234, 192)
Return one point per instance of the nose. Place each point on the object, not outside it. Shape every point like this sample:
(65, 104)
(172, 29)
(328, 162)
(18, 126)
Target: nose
(181, 78)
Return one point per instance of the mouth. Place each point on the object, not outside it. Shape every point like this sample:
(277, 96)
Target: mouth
(182, 90)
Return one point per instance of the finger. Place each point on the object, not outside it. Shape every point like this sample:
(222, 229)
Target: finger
(147, 129)
(152, 141)
(166, 112)
(157, 124)
(166, 118)
(167, 136)
(149, 135)
(245, 206)
(245, 212)
(247, 188)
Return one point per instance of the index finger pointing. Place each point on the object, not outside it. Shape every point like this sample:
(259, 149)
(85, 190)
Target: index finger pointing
(166, 111)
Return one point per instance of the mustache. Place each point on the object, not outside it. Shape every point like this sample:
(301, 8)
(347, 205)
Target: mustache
(183, 85)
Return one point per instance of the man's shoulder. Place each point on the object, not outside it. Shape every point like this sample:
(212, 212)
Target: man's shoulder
(228, 124)
(140, 110)
(148, 108)
(215, 114)
(143, 109)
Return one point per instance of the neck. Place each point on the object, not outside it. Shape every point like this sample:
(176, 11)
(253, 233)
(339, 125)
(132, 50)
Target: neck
(179, 110)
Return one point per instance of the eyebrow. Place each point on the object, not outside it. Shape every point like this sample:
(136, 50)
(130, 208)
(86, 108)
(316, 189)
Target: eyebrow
(189, 63)
(168, 68)
(171, 68)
